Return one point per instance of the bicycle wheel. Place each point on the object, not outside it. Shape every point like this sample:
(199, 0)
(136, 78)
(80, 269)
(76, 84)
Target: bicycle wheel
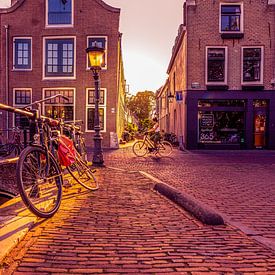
(139, 148)
(165, 148)
(39, 182)
(83, 174)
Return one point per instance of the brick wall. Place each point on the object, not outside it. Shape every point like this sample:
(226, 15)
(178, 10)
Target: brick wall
(91, 18)
(203, 30)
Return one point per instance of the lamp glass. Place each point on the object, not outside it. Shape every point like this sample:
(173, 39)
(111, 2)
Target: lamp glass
(95, 55)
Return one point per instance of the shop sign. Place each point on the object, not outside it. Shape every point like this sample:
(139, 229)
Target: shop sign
(207, 121)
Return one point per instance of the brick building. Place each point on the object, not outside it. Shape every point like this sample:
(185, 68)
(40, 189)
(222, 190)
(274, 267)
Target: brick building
(43, 53)
(222, 76)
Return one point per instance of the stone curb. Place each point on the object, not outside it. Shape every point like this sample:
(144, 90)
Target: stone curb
(199, 210)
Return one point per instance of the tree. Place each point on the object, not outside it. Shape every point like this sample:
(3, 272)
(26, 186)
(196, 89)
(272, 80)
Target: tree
(141, 106)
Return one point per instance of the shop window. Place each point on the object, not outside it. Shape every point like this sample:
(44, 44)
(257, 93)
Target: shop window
(221, 103)
(90, 109)
(59, 107)
(231, 20)
(59, 57)
(216, 68)
(221, 127)
(59, 12)
(100, 41)
(22, 54)
(252, 65)
(22, 97)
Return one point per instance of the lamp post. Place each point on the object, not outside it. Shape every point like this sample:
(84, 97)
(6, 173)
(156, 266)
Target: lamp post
(95, 55)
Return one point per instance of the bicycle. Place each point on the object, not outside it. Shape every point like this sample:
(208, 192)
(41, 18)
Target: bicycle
(77, 167)
(14, 146)
(73, 131)
(142, 147)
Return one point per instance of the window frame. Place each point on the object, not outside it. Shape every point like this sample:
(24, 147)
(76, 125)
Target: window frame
(106, 50)
(17, 105)
(57, 89)
(58, 76)
(241, 18)
(47, 25)
(261, 81)
(217, 83)
(29, 68)
(103, 106)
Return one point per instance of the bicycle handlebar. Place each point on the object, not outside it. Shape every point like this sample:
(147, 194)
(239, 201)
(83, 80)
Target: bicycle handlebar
(46, 99)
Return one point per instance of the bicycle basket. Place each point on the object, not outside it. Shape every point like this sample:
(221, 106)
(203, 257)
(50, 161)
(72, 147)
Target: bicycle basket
(66, 151)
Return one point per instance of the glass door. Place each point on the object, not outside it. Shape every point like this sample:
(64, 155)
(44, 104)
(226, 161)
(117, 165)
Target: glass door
(260, 123)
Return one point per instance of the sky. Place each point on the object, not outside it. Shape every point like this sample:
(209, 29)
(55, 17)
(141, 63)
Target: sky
(149, 29)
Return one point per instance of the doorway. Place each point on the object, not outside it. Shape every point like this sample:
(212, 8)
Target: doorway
(260, 123)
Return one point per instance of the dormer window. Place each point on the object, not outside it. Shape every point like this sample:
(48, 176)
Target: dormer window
(231, 20)
(59, 13)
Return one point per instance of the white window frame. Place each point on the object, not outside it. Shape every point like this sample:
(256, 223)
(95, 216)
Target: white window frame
(18, 105)
(58, 25)
(104, 106)
(56, 89)
(106, 51)
(44, 58)
(216, 83)
(13, 58)
(261, 81)
(241, 19)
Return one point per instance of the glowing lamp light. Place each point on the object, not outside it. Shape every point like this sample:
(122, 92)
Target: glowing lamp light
(95, 55)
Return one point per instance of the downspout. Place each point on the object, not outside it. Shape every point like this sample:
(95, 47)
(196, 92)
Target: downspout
(7, 74)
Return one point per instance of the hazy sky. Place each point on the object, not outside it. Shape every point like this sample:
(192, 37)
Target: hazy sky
(149, 30)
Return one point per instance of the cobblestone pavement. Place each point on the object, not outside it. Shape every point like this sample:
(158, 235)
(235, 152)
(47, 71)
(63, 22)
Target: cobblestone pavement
(238, 184)
(126, 228)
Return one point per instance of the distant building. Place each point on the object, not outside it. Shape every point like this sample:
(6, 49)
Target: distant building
(43, 53)
(221, 76)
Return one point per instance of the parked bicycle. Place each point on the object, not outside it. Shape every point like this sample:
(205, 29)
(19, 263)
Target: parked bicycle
(38, 171)
(145, 146)
(13, 147)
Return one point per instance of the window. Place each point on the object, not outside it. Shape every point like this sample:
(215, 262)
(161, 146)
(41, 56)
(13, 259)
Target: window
(90, 109)
(22, 54)
(59, 58)
(216, 65)
(221, 127)
(100, 41)
(59, 107)
(252, 65)
(59, 13)
(231, 20)
(22, 97)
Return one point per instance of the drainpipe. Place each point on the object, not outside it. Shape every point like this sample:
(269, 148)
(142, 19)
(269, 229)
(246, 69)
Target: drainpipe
(7, 74)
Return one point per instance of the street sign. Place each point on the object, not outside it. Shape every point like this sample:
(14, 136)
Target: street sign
(179, 97)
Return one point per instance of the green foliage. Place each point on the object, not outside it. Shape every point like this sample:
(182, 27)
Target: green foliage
(141, 105)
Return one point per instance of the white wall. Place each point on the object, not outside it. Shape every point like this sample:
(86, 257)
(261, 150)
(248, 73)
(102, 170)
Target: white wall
(5, 3)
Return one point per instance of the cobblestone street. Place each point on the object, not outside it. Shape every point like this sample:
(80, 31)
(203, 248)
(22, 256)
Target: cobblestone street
(127, 228)
(239, 184)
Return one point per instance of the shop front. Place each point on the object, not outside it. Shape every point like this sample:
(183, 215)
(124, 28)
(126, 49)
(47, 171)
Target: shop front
(245, 121)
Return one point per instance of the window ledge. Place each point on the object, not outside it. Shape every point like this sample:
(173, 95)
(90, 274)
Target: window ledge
(217, 87)
(248, 87)
(232, 35)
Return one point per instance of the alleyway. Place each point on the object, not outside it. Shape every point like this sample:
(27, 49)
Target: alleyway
(127, 228)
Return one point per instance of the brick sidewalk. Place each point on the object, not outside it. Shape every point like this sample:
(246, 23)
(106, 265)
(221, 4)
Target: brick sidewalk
(238, 184)
(126, 228)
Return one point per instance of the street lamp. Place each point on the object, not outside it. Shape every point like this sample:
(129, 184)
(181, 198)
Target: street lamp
(95, 54)
(170, 97)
